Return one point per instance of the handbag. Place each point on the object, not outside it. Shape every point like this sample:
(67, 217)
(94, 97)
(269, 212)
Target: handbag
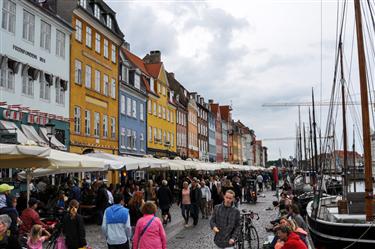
(144, 230)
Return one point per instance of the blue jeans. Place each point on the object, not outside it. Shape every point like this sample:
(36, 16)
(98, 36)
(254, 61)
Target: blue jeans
(185, 210)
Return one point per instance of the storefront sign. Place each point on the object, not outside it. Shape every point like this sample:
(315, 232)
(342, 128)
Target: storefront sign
(36, 119)
(12, 115)
(23, 51)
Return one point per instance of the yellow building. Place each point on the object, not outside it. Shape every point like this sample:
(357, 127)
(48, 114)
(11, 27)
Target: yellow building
(161, 114)
(93, 75)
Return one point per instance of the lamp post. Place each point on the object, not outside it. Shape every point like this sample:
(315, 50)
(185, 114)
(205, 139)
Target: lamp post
(50, 132)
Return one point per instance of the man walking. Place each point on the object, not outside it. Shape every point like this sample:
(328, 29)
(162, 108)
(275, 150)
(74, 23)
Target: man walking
(206, 198)
(116, 224)
(225, 222)
(260, 182)
(195, 198)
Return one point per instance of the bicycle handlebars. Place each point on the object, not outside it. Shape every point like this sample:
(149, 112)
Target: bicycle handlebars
(249, 213)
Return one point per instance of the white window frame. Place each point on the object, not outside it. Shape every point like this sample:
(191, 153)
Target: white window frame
(60, 44)
(105, 48)
(128, 139)
(128, 106)
(7, 79)
(97, 42)
(141, 111)
(105, 126)
(149, 106)
(150, 134)
(78, 72)
(87, 122)
(141, 142)
(60, 94)
(122, 138)
(113, 53)
(45, 89)
(88, 72)
(164, 113)
(155, 112)
(109, 21)
(105, 85)
(83, 3)
(113, 88)
(97, 11)
(28, 32)
(9, 16)
(152, 85)
(134, 108)
(137, 81)
(122, 104)
(78, 31)
(77, 120)
(97, 80)
(113, 127)
(97, 124)
(134, 140)
(45, 35)
(159, 111)
(88, 37)
(27, 86)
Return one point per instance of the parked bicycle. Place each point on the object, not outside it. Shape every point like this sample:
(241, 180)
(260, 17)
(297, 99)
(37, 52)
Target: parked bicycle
(249, 238)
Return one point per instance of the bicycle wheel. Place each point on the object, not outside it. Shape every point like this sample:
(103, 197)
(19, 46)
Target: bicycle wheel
(240, 242)
(252, 238)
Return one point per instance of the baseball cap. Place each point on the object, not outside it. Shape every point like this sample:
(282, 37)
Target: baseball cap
(5, 187)
(33, 201)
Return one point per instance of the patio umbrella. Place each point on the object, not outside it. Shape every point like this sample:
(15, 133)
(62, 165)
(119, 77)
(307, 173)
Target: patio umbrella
(130, 163)
(154, 163)
(21, 156)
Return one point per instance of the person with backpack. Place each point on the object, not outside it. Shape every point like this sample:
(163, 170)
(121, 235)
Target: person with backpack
(116, 224)
(149, 231)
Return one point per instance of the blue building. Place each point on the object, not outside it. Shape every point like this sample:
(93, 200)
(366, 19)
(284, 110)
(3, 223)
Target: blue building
(132, 107)
(211, 134)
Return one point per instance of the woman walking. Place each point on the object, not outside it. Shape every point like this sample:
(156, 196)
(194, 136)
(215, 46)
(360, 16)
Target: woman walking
(74, 228)
(149, 231)
(135, 206)
(165, 200)
(185, 202)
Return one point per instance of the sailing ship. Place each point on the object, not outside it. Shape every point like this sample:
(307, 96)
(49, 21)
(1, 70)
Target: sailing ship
(347, 220)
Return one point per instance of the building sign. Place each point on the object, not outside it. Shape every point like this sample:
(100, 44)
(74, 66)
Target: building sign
(12, 115)
(23, 51)
(36, 119)
(31, 118)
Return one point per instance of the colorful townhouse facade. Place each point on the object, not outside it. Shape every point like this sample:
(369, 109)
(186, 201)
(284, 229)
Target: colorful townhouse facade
(202, 124)
(181, 100)
(211, 135)
(94, 75)
(161, 120)
(34, 74)
(133, 105)
(193, 150)
(226, 118)
(236, 138)
(215, 110)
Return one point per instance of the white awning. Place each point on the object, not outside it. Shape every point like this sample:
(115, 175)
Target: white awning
(13, 128)
(31, 134)
(54, 140)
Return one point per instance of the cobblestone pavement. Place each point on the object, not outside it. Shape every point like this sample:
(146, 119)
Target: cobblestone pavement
(201, 235)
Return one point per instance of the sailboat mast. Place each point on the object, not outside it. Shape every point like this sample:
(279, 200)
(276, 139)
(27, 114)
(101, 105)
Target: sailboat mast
(315, 141)
(344, 134)
(365, 114)
(304, 146)
(354, 168)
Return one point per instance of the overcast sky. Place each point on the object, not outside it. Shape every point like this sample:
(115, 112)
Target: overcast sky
(242, 52)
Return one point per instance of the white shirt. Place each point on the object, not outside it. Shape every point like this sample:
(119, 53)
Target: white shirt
(259, 178)
(110, 197)
(206, 193)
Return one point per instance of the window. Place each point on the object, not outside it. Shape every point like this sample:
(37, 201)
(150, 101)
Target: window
(88, 37)
(27, 85)
(60, 44)
(77, 119)
(152, 87)
(105, 48)
(172, 116)
(113, 127)
(164, 137)
(87, 122)
(134, 140)
(7, 79)
(122, 138)
(141, 111)
(96, 124)
(150, 134)
(105, 126)
(83, 3)
(128, 138)
(97, 80)
(78, 72)
(158, 86)
(106, 85)
(113, 50)
(122, 104)
(149, 106)
(9, 16)
(60, 94)
(109, 21)
(155, 113)
(88, 77)
(137, 81)
(129, 107)
(141, 142)
(45, 35)
(97, 43)
(159, 111)
(155, 134)
(168, 114)
(113, 89)
(97, 11)
(45, 90)
(163, 90)
(164, 113)
(134, 112)
(28, 26)
(78, 30)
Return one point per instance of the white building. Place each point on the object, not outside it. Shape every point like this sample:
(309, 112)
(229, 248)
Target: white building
(35, 61)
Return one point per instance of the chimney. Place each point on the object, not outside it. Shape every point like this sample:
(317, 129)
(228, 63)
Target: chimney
(153, 57)
(210, 101)
(127, 45)
(171, 74)
(201, 99)
(197, 98)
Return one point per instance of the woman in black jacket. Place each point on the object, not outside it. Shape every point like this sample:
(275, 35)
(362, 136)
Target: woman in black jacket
(73, 227)
(165, 200)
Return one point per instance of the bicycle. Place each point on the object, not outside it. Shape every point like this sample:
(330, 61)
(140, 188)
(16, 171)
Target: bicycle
(248, 238)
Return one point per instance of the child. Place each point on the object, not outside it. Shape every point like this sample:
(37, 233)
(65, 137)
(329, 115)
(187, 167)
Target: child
(35, 240)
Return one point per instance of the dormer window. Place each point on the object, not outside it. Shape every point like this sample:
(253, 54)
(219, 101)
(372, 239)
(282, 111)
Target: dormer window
(109, 21)
(137, 81)
(152, 84)
(97, 11)
(83, 3)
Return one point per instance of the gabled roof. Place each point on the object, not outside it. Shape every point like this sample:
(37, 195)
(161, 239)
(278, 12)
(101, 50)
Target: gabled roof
(224, 111)
(154, 69)
(178, 89)
(138, 62)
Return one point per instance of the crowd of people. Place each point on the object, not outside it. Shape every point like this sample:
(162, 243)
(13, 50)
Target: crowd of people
(126, 211)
